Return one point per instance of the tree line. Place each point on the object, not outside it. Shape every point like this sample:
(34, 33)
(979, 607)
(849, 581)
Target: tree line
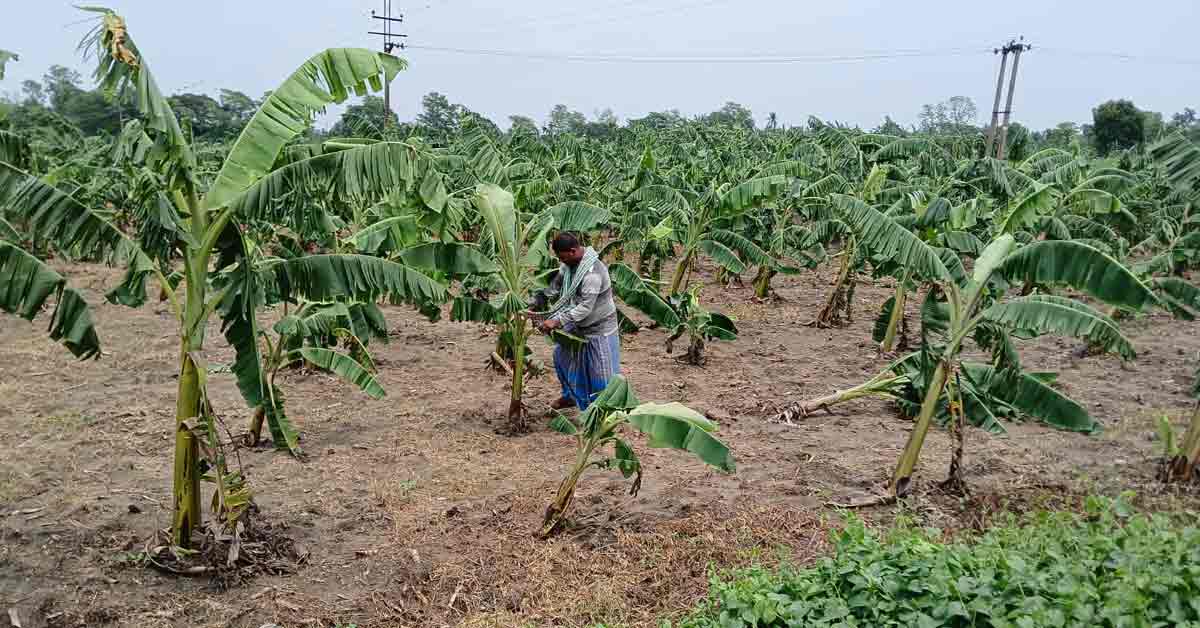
(1116, 124)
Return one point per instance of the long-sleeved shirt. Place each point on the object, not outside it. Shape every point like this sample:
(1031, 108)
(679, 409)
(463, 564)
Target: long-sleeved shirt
(591, 311)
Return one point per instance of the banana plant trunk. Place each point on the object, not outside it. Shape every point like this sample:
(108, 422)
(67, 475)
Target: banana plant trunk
(566, 491)
(186, 477)
(190, 401)
(254, 434)
(831, 314)
(958, 427)
(902, 479)
(1183, 466)
(889, 338)
(681, 271)
(762, 282)
(516, 410)
(880, 385)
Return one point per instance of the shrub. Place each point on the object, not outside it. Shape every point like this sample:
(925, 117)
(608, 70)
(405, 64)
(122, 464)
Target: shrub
(1108, 568)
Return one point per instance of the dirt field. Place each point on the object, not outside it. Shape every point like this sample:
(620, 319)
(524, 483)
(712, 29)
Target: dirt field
(416, 511)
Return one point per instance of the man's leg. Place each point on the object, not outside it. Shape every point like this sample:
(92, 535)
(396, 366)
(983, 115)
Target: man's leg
(560, 371)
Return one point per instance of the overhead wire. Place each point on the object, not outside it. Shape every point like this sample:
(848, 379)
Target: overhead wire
(704, 59)
(558, 17)
(590, 18)
(1119, 56)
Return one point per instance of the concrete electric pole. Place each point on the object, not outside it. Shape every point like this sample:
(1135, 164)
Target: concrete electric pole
(388, 45)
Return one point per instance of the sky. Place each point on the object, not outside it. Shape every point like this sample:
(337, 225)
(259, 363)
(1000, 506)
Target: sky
(252, 45)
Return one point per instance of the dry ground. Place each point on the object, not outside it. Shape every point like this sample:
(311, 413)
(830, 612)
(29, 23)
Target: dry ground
(417, 511)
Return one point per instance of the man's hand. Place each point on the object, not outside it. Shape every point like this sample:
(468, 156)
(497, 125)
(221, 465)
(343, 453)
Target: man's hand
(550, 325)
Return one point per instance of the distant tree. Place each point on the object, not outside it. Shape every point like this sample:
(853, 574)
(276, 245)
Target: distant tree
(239, 106)
(34, 93)
(564, 120)
(1117, 124)
(367, 118)
(62, 84)
(605, 125)
(1187, 122)
(439, 117)
(1063, 136)
(659, 120)
(208, 120)
(890, 127)
(491, 128)
(523, 123)
(954, 116)
(1185, 119)
(92, 112)
(961, 111)
(731, 114)
(606, 116)
(88, 110)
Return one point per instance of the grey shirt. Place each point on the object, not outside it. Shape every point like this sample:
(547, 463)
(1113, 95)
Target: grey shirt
(591, 312)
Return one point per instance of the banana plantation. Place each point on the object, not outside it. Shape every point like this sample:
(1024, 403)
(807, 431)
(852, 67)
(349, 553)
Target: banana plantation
(310, 380)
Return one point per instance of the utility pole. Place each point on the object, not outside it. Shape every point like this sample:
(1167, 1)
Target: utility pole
(991, 136)
(388, 46)
(1016, 48)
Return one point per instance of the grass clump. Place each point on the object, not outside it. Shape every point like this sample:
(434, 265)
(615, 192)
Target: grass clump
(1106, 567)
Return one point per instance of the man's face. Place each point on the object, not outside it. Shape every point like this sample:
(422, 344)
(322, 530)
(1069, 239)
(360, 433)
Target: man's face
(571, 256)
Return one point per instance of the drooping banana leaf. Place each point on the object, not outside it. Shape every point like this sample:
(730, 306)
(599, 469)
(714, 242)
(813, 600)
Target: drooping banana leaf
(327, 78)
(344, 367)
(883, 237)
(1027, 394)
(5, 57)
(1178, 296)
(1045, 313)
(26, 283)
(675, 426)
(454, 259)
(1077, 265)
(723, 255)
(579, 216)
(635, 292)
(355, 277)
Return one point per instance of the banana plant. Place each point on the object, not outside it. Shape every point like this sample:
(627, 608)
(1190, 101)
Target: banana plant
(1175, 231)
(204, 224)
(669, 425)
(515, 250)
(306, 337)
(930, 218)
(838, 308)
(697, 223)
(699, 325)
(975, 307)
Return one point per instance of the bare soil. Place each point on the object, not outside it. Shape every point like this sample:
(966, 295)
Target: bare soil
(416, 510)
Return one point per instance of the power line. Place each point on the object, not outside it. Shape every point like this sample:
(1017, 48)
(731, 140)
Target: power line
(557, 18)
(594, 17)
(1120, 56)
(736, 59)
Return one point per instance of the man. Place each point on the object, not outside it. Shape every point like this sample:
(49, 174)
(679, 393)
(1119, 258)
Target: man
(581, 303)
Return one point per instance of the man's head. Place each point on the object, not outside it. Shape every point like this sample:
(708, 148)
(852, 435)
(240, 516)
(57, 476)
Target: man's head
(567, 248)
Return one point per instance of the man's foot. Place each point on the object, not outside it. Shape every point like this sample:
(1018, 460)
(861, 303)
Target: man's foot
(562, 403)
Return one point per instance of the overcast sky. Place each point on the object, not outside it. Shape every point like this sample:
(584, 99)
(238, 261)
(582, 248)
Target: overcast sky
(251, 45)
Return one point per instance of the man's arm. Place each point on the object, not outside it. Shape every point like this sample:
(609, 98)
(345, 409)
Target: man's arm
(544, 297)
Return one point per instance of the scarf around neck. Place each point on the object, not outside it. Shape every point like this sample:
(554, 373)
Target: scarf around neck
(573, 279)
